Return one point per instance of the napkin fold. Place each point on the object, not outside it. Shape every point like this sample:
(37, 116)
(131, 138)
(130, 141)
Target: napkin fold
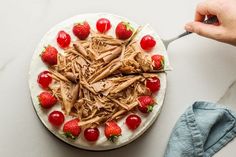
(201, 131)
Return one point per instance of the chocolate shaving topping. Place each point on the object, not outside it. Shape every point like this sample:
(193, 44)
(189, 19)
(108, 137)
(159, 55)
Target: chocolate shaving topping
(94, 79)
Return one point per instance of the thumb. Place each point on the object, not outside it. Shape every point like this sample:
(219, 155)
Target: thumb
(206, 30)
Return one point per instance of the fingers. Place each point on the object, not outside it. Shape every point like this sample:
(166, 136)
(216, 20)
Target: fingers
(206, 30)
(224, 30)
(206, 8)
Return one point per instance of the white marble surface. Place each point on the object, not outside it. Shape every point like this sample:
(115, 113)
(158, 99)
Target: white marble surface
(203, 70)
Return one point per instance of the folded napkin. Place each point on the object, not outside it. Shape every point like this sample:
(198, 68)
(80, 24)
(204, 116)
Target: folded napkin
(201, 131)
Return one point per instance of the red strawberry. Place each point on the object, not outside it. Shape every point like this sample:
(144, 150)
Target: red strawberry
(159, 61)
(153, 84)
(49, 55)
(56, 118)
(63, 39)
(71, 129)
(147, 42)
(145, 104)
(112, 130)
(47, 100)
(133, 121)
(44, 79)
(103, 25)
(124, 30)
(91, 134)
(81, 30)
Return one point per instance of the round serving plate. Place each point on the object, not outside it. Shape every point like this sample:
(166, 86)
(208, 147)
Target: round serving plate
(38, 66)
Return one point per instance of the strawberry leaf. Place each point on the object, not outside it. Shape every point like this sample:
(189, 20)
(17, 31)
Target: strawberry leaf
(149, 108)
(113, 138)
(69, 135)
(79, 23)
(128, 26)
(163, 63)
(44, 49)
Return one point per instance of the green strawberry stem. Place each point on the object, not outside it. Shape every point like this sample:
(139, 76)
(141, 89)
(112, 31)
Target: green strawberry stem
(69, 135)
(79, 23)
(163, 63)
(149, 108)
(44, 49)
(113, 138)
(128, 26)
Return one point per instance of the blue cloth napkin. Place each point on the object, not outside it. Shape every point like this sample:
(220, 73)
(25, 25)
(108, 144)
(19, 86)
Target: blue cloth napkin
(201, 131)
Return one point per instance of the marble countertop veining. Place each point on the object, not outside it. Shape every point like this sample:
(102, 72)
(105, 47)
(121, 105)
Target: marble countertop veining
(202, 70)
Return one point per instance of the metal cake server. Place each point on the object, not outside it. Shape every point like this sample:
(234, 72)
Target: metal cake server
(210, 20)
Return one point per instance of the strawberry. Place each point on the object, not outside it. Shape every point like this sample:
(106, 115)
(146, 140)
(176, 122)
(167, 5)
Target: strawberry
(103, 25)
(63, 39)
(112, 130)
(44, 79)
(81, 30)
(153, 84)
(47, 100)
(133, 121)
(124, 30)
(49, 55)
(158, 61)
(71, 129)
(147, 42)
(146, 104)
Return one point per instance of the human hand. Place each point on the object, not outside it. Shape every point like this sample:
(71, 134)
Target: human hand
(225, 30)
